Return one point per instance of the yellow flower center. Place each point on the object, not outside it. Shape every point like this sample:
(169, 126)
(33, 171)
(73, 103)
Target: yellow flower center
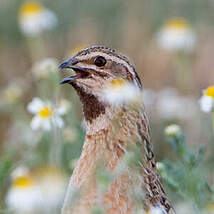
(23, 181)
(210, 91)
(45, 112)
(177, 23)
(30, 8)
(118, 83)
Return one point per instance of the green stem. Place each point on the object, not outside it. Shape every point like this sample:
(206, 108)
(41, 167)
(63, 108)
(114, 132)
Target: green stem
(213, 122)
(36, 48)
(183, 76)
(56, 146)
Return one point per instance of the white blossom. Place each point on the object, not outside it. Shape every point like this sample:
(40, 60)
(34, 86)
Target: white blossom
(34, 18)
(52, 183)
(24, 196)
(171, 105)
(172, 130)
(45, 115)
(45, 68)
(121, 92)
(207, 100)
(176, 35)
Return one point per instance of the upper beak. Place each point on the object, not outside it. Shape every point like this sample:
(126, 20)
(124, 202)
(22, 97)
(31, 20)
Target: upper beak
(66, 64)
(71, 63)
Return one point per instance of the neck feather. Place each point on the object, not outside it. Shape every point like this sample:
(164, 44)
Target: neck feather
(109, 133)
(92, 107)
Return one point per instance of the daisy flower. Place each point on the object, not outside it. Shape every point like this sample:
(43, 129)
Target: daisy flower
(176, 35)
(121, 92)
(24, 196)
(172, 130)
(207, 100)
(52, 182)
(46, 67)
(34, 18)
(171, 105)
(45, 114)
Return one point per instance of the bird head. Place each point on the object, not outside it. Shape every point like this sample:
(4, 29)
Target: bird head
(95, 67)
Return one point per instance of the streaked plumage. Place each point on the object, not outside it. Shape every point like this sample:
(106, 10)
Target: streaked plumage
(110, 131)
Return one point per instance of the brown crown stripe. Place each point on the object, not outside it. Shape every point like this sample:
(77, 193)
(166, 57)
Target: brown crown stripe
(110, 52)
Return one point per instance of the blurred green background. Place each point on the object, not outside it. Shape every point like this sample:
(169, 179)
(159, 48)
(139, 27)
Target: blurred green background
(173, 81)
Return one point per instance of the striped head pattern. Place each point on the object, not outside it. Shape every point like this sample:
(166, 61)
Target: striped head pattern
(96, 66)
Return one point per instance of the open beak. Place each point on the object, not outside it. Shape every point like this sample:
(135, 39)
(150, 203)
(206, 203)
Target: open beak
(71, 64)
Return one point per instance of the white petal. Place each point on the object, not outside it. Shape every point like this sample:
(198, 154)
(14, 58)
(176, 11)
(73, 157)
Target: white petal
(35, 105)
(63, 107)
(58, 121)
(19, 171)
(34, 24)
(25, 200)
(49, 20)
(172, 39)
(42, 69)
(62, 110)
(128, 93)
(46, 124)
(206, 103)
(30, 25)
(36, 123)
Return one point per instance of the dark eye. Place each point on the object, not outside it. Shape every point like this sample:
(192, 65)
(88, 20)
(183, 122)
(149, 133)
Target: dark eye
(100, 61)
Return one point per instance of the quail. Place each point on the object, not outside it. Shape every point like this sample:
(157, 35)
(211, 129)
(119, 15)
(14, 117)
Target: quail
(110, 130)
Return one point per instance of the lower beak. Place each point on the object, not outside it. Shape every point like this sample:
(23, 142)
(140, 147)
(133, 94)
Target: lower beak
(80, 72)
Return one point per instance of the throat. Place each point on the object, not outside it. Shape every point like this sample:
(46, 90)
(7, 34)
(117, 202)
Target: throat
(92, 107)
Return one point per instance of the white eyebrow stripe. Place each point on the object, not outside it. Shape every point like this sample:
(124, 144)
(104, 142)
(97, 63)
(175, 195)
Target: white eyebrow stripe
(108, 57)
(84, 65)
(93, 67)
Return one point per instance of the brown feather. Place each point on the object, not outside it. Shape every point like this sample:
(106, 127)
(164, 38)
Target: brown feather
(110, 133)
